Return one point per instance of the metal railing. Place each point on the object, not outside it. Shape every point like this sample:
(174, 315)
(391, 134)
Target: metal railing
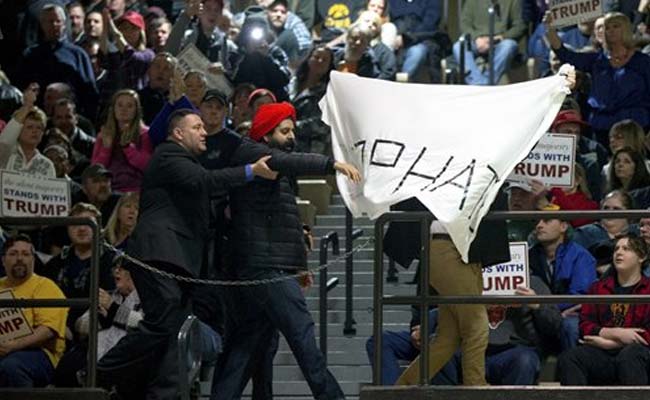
(325, 286)
(350, 236)
(424, 300)
(491, 21)
(92, 301)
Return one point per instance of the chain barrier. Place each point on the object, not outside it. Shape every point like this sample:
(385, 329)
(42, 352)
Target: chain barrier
(256, 282)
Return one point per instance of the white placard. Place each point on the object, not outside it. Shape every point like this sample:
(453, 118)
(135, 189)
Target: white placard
(25, 195)
(192, 58)
(503, 279)
(13, 324)
(571, 12)
(551, 161)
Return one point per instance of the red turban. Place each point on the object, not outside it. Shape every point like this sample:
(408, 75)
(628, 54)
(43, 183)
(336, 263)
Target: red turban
(269, 116)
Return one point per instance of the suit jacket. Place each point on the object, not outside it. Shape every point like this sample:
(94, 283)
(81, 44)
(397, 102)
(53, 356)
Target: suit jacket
(490, 246)
(175, 208)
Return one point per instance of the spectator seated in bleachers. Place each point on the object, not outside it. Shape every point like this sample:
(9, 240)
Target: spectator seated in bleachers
(29, 361)
(522, 197)
(154, 95)
(196, 85)
(306, 89)
(598, 237)
(119, 311)
(620, 77)
(55, 59)
(20, 138)
(65, 117)
(96, 189)
(591, 155)
(239, 110)
(70, 269)
(158, 30)
(123, 145)
(566, 268)
(121, 223)
(625, 133)
(419, 39)
(615, 337)
(509, 28)
(629, 172)
(384, 55)
(204, 34)
(357, 57)
(292, 35)
(574, 198)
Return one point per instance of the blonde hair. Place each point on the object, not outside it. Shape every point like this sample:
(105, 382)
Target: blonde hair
(628, 37)
(633, 134)
(110, 129)
(581, 175)
(38, 115)
(113, 225)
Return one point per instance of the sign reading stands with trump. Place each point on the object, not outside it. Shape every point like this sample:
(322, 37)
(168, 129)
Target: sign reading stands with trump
(551, 161)
(503, 279)
(450, 146)
(13, 324)
(25, 195)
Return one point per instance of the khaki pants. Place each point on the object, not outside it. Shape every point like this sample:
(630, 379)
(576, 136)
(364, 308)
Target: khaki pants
(464, 326)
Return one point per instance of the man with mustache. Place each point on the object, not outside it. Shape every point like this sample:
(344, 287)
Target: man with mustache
(29, 361)
(267, 242)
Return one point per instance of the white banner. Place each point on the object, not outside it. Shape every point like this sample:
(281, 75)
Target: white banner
(13, 324)
(192, 58)
(451, 146)
(551, 161)
(503, 279)
(571, 12)
(25, 195)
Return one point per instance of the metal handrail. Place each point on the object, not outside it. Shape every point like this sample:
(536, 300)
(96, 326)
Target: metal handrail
(92, 301)
(350, 236)
(491, 22)
(187, 374)
(324, 286)
(424, 299)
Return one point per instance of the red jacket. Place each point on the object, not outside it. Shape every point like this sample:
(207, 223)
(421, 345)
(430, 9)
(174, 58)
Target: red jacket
(575, 201)
(593, 317)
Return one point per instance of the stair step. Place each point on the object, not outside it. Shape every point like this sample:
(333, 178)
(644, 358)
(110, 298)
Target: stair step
(363, 277)
(299, 387)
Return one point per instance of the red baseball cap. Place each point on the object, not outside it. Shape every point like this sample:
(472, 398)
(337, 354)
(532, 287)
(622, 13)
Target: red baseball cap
(568, 116)
(134, 18)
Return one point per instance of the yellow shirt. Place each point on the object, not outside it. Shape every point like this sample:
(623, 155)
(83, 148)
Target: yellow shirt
(38, 287)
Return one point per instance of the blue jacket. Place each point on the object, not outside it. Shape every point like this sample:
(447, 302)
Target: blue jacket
(574, 271)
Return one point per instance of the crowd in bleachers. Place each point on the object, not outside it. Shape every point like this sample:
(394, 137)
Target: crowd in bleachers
(86, 89)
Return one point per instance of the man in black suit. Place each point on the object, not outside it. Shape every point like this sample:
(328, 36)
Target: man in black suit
(170, 235)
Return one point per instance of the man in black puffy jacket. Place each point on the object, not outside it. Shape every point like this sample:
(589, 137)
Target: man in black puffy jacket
(267, 243)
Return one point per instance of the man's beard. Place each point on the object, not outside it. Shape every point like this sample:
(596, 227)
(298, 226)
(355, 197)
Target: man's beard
(19, 271)
(287, 146)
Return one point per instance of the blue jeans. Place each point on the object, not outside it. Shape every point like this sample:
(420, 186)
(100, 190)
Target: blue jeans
(504, 52)
(263, 309)
(211, 344)
(26, 368)
(397, 346)
(413, 58)
(570, 333)
(519, 365)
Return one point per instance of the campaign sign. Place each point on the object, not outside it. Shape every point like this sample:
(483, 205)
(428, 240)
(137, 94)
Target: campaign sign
(503, 279)
(192, 58)
(551, 161)
(571, 12)
(13, 324)
(25, 195)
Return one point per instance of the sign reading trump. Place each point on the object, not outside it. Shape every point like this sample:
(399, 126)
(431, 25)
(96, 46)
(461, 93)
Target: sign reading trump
(13, 324)
(503, 279)
(25, 195)
(571, 12)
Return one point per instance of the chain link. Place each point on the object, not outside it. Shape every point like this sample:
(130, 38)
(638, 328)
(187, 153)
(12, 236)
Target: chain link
(256, 282)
